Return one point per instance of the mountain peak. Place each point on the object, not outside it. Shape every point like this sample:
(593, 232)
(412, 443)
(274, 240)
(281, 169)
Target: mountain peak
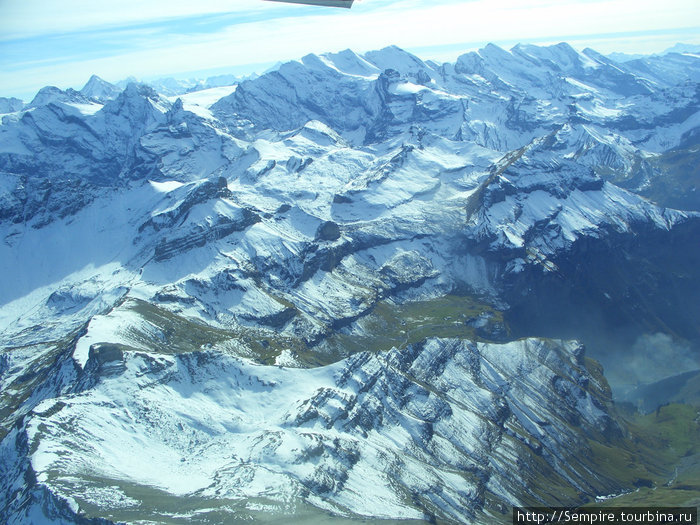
(393, 57)
(100, 90)
(682, 49)
(10, 104)
(52, 94)
(347, 61)
(139, 89)
(492, 50)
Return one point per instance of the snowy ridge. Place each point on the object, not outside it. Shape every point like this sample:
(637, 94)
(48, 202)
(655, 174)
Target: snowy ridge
(548, 187)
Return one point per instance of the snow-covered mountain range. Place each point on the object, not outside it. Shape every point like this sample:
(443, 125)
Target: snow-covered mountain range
(326, 292)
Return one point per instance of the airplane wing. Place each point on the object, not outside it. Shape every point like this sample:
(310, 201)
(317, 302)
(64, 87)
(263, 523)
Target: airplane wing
(330, 3)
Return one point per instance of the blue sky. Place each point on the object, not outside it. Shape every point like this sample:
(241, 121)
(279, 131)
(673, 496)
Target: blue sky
(47, 42)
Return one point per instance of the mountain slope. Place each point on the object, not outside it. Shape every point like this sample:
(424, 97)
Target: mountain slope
(353, 264)
(329, 435)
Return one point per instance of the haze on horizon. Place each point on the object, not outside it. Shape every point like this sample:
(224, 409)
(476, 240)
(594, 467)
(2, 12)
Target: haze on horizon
(63, 44)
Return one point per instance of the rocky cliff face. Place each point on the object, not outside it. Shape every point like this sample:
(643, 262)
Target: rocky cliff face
(338, 261)
(443, 429)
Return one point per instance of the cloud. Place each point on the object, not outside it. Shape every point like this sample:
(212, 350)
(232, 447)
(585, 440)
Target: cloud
(657, 356)
(29, 18)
